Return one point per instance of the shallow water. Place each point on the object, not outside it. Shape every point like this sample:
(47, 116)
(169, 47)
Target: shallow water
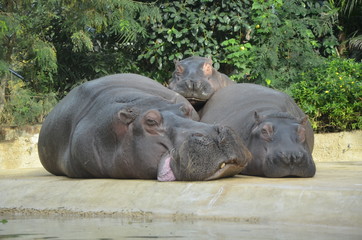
(102, 228)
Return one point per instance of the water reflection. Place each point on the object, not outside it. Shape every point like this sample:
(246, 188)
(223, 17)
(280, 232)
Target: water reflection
(58, 227)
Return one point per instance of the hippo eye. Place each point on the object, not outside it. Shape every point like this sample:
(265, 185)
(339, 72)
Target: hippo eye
(267, 132)
(151, 122)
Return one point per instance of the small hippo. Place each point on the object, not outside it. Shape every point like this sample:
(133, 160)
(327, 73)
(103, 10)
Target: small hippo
(129, 126)
(274, 128)
(196, 80)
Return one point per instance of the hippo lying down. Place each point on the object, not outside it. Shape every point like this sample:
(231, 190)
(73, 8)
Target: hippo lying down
(275, 130)
(129, 126)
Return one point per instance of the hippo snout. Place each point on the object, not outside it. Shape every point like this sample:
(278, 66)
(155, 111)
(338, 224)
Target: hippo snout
(232, 145)
(210, 152)
(289, 163)
(224, 134)
(291, 158)
(193, 84)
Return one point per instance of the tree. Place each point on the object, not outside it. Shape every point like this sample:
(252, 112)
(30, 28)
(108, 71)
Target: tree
(54, 44)
(350, 32)
(37, 36)
(96, 38)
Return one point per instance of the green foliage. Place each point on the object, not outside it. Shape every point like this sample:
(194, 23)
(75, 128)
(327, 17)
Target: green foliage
(81, 41)
(56, 43)
(241, 56)
(331, 95)
(350, 35)
(347, 6)
(97, 38)
(287, 37)
(25, 47)
(24, 106)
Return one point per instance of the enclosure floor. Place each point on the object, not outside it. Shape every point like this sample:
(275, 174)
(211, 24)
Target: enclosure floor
(333, 197)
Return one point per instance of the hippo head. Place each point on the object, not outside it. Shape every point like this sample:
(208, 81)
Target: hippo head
(168, 145)
(279, 147)
(194, 78)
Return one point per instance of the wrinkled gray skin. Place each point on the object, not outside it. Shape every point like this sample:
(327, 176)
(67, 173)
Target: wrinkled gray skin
(129, 126)
(274, 128)
(196, 80)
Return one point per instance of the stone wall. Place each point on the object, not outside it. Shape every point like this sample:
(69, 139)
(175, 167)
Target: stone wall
(18, 147)
(333, 147)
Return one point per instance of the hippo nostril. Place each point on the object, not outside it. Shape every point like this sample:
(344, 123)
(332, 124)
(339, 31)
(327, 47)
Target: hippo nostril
(191, 84)
(218, 129)
(290, 158)
(297, 157)
(284, 157)
(197, 135)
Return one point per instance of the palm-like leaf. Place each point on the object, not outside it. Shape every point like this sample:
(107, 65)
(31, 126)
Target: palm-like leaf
(356, 42)
(347, 6)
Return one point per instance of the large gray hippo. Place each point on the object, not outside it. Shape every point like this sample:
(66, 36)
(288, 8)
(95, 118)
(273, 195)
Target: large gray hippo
(129, 126)
(275, 130)
(196, 80)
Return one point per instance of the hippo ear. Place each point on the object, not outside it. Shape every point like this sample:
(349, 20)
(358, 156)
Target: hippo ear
(301, 128)
(257, 117)
(207, 69)
(303, 121)
(178, 68)
(126, 116)
(187, 110)
(301, 133)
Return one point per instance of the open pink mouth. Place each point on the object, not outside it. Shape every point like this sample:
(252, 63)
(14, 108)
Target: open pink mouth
(165, 173)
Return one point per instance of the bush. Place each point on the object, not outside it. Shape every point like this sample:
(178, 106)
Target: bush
(192, 27)
(272, 40)
(23, 106)
(331, 95)
(286, 37)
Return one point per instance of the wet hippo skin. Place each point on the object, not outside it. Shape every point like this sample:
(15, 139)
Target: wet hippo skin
(129, 126)
(274, 128)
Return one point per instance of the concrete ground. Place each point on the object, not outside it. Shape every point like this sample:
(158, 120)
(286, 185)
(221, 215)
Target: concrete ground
(333, 197)
(331, 202)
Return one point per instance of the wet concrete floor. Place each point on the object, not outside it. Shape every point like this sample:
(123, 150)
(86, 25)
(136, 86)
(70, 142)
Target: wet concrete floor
(58, 227)
(332, 198)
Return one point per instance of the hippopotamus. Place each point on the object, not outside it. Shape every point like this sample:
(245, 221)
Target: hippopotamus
(275, 130)
(196, 80)
(130, 126)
